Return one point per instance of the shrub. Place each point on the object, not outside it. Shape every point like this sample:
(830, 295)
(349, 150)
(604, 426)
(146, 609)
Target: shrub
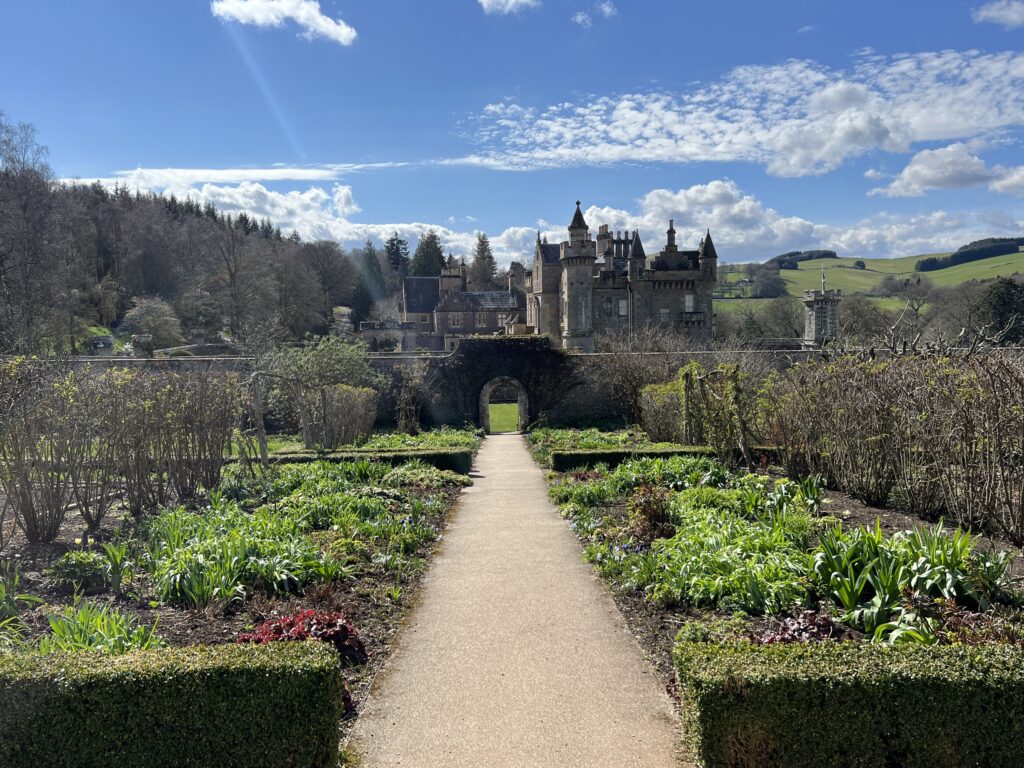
(649, 517)
(804, 705)
(342, 415)
(230, 705)
(661, 409)
(331, 628)
(79, 571)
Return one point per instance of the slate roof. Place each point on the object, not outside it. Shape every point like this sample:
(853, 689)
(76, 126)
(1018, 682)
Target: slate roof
(707, 248)
(637, 249)
(578, 222)
(421, 294)
(550, 252)
(492, 300)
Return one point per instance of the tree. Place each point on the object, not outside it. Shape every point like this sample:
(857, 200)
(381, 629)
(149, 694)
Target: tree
(370, 284)
(783, 318)
(483, 269)
(154, 317)
(1002, 308)
(428, 261)
(396, 254)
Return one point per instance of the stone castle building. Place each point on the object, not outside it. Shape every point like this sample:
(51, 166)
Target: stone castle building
(821, 315)
(586, 286)
(571, 292)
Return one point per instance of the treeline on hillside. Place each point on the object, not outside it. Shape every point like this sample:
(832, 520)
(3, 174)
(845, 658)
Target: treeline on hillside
(974, 251)
(792, 258)
(78, 259)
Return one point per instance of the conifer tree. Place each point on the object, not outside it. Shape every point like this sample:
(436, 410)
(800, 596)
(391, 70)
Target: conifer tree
(396, 251)
(428, 261)
(483, 269)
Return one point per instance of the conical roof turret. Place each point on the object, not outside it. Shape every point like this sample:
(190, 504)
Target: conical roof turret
(636, 250)
(707, 248)
(578, 222)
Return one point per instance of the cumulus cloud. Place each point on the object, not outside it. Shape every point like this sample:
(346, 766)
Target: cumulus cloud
(1009, 181)
(1007, 13)
(507, 6)
(743, 226)
(796, 119)
(952, 167)
(274, 13)
(607, 9)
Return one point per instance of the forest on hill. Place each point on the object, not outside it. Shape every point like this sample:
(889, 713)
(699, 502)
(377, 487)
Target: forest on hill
(80, 260)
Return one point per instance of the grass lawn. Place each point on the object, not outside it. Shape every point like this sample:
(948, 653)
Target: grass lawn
(504, 417)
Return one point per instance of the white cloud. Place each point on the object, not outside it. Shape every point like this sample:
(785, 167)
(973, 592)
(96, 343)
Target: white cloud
(952, 167)
(607, 9)
(583, 19)
(743, 226)
(1008, 13)
(805, 29)
(796, 119)
(274, 13)
(1009, 181)
(507, 6)
(177, 179)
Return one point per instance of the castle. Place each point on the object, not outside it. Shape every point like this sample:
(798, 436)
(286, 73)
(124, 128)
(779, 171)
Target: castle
(586, 286)
(572, 291)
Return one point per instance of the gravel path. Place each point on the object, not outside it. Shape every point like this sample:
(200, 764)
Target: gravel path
(515, 654)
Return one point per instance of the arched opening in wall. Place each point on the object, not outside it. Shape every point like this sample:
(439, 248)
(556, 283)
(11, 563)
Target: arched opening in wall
(503, 406)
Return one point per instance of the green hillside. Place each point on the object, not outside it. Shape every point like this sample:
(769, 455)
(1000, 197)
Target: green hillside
(841, 273)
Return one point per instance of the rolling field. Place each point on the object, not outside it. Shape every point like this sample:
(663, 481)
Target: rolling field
(840, 273)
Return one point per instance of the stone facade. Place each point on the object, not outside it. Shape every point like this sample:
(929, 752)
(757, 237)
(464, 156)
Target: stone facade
(438, 311)
(821, 315)
(586, 286)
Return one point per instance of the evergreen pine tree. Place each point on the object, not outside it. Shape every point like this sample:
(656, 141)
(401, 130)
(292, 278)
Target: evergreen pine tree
(483, 269)
(428, 261)
(397, 252)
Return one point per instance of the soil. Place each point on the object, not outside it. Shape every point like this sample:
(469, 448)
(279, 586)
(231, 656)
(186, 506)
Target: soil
(364, 601)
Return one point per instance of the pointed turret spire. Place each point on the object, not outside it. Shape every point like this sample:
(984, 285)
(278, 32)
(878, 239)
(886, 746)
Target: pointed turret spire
(636, 251)
(707, 248)
(578, 222)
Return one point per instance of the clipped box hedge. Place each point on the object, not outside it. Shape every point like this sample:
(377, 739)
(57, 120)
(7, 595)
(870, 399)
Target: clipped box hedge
(203, 706)
(568, 460)
(455, 459)
(851, 704)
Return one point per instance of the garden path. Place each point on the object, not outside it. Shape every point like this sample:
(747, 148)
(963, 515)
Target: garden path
(515, 654)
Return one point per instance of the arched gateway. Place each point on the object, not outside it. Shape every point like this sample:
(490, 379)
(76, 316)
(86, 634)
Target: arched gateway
(538, 374)
(521, 398)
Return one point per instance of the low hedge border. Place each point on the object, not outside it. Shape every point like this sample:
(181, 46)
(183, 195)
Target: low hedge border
(455, 459)
(225, 705)
(851, 704)
(566, 461)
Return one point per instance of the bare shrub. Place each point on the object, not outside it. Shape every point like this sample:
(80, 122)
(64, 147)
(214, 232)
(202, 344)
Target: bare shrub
(660, 412)
(342, 414)
(204, 409)
(95, 478)
(37, 449)
(415, 381)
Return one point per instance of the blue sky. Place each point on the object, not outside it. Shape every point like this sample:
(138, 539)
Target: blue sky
(875, 128)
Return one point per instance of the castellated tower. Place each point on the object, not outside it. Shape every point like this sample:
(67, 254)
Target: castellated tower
(577, 258)
(821, 315)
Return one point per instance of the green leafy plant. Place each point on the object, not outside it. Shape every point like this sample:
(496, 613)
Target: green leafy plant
(80, 570)
(86, 626)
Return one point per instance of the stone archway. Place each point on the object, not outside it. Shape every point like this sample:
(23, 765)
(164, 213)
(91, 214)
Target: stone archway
(485, 401)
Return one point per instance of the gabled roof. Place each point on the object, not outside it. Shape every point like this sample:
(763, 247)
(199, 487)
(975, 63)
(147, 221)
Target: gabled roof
(550, 252)
(578, 222)
(421, 294)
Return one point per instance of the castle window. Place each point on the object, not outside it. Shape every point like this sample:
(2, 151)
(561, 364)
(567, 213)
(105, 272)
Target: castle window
(502, 319)
(663, 315)
(690, 302)
(481, 320)
(455, 320)
(623, 307)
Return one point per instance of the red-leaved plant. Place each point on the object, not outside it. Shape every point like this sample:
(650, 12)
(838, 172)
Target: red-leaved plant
(331, 628)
